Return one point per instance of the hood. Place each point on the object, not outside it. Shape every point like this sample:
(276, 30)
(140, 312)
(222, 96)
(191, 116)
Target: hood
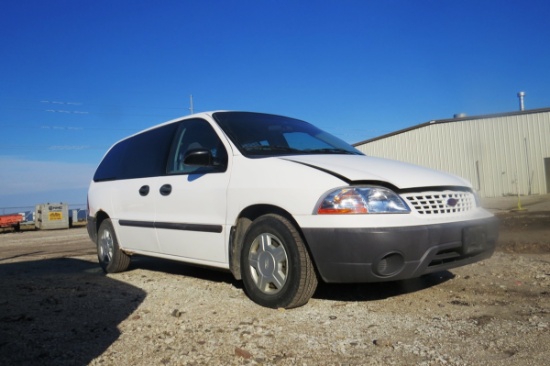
(367, 168)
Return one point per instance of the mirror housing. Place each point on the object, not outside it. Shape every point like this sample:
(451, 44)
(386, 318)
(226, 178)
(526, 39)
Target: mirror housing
(198, 157)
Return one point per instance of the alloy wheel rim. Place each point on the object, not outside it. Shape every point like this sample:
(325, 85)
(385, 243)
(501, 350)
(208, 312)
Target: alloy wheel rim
(268, 263)
(106, 247)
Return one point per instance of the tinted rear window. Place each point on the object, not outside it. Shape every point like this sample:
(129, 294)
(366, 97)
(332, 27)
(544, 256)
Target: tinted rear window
(109, 168)
(140, 156)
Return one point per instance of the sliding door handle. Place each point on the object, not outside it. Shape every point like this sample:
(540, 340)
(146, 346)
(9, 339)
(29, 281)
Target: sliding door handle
(144, 191)
(165, 190)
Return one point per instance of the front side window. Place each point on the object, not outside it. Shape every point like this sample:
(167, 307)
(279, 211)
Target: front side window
(192, 136)
(258, 134)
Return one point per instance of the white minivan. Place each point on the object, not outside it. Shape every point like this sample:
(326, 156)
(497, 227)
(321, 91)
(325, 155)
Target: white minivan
(281, 204)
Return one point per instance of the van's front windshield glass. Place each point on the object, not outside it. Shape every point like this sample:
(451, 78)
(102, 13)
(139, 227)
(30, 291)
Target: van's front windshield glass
(258, 134)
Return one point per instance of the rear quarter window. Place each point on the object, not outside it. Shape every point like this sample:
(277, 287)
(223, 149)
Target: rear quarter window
(140, 156)
(109, 168)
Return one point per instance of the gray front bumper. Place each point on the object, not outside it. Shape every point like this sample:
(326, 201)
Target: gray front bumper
(348, 255)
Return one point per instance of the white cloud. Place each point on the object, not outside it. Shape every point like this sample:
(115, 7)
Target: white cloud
(20, 176)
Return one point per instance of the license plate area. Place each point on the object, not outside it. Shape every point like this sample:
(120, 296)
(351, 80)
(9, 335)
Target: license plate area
(474, 240)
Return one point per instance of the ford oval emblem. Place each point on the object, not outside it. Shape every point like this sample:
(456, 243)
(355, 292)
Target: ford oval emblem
(452, 202)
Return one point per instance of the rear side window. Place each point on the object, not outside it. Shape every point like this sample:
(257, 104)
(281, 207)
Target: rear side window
(109, 168)
(140, 156)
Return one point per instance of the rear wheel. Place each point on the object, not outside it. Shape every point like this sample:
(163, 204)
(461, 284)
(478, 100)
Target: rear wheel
(276, 268)
(110, 257)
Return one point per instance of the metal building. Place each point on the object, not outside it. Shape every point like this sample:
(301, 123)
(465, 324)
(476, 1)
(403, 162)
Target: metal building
(500, 154)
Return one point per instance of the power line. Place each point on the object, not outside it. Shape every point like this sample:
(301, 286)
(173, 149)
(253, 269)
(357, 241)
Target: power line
(52, 147)
(80, 104)
(84, 113)
(62, 128)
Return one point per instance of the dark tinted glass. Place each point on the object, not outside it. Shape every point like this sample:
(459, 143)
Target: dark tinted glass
(109, 168)
(140, 156)
(258, 134)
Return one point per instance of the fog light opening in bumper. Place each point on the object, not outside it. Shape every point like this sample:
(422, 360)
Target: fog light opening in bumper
(390, 264)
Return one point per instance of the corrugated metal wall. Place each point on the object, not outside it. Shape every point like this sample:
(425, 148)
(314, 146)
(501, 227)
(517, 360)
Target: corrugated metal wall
(500, 155)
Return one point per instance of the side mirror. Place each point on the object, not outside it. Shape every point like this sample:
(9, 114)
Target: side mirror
(198, 157)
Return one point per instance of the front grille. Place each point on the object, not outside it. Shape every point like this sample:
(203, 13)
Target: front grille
(441, 203)
(445, 256)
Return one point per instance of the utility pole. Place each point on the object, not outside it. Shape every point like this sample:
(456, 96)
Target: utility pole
(191, 103)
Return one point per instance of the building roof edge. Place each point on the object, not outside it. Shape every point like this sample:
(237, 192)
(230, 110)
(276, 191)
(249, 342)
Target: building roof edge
(450, 120)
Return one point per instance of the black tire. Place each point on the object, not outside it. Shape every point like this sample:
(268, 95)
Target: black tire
(110, 257)
(276, 268)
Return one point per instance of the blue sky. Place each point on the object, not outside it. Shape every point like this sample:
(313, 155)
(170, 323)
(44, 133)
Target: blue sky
(78, 75)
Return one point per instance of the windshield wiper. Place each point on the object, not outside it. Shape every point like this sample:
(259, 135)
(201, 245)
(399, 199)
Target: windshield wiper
(332, 150)
(272, 148)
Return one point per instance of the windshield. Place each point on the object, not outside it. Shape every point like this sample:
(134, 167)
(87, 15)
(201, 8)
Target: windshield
(258, 134)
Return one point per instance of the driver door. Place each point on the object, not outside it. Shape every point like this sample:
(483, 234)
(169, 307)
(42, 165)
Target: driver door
(191, 211)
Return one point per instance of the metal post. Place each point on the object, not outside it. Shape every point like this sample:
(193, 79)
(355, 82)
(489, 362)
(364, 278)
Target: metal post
(521, 96)
(528, 165)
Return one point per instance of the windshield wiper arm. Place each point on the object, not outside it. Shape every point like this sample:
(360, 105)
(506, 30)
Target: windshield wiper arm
(272, 148)
(332, 150)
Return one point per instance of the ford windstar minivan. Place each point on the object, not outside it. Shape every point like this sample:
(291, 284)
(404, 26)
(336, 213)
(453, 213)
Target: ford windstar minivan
(280, 204)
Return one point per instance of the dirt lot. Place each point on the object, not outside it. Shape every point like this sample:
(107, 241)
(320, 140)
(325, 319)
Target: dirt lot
(56, 307)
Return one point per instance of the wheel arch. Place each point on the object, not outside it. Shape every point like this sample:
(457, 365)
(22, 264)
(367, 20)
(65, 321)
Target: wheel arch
(243, 222)
(94, 222)
(99, 218)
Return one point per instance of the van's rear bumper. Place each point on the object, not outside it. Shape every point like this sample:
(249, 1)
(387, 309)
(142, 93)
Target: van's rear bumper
(349, 255)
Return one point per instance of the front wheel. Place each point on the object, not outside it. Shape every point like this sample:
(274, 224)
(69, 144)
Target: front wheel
(276, 268)
(110, 257)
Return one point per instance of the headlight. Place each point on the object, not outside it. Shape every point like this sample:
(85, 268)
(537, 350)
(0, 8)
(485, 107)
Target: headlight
(361, 200)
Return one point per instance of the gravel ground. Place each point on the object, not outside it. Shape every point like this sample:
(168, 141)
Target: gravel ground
(58, 308)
